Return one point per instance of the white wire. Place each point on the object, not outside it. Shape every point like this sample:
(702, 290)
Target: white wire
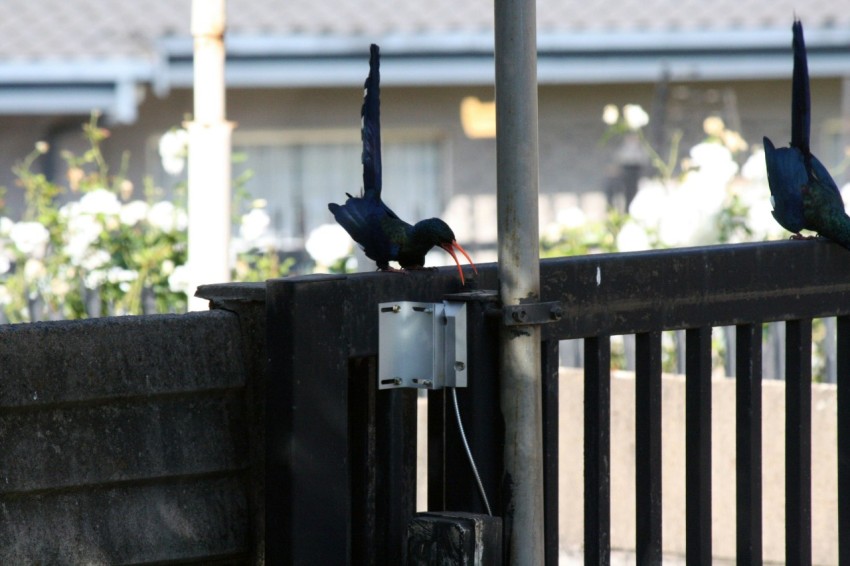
(469, 453)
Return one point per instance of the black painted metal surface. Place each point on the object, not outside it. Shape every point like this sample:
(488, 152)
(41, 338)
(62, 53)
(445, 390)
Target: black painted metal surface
(843, 404)
(341, 455)
(597, 450)
(698, 446)
(748, 447)
(688, 288)
(551, 421)
(798, 441)
(648, 447)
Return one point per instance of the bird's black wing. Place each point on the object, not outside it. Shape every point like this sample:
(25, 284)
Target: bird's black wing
(364, 220)
(786, 177)
(370, 127)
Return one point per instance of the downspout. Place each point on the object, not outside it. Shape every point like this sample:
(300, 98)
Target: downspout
(209, 199)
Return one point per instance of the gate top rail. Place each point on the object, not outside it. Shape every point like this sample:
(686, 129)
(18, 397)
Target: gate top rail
(627, 293)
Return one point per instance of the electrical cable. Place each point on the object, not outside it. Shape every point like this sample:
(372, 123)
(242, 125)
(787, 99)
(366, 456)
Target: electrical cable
(469, 453)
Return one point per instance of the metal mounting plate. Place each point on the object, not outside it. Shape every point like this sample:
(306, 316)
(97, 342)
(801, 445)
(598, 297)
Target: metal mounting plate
(532, 313)
(421, 345)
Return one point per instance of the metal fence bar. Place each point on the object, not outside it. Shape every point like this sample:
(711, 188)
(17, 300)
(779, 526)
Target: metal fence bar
(597, 450)
(307, 452)
(438, 406)
(748, 451)
(843, 408)
(798, 442)
(698, 445)
(551, 420)
(362, 394)
(395, 462)
(648, 447)
(382, 464)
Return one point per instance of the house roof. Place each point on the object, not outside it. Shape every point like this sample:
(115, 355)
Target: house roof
(71, 55)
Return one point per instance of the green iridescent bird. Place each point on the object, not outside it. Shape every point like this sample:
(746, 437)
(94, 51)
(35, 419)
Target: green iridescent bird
(802, 192)
(383, 236)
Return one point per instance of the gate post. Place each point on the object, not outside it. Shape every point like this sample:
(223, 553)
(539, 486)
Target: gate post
(308, 499)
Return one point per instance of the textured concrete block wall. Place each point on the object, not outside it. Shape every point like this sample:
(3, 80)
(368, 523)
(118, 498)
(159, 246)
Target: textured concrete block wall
(124, 440)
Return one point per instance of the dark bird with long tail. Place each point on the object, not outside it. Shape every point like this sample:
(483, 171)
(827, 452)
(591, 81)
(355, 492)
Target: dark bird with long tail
(803, 194)
(383, 236)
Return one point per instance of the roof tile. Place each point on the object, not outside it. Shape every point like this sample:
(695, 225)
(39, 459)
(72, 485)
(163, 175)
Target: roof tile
(129, 28)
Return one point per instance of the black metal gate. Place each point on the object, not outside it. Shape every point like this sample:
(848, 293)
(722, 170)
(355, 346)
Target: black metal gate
(341, 455)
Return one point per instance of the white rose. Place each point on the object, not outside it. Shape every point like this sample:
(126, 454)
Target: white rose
(30, 238)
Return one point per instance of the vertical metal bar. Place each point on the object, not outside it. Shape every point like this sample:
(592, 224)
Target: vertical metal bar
(597, 450)
(748, 451)
(648, 447)
(698, 445)
(395, 461)
(843, 409)
(550, 373)
(307, 437)
(362, 456)
(437, 414)
(798, 442)
(519, 274)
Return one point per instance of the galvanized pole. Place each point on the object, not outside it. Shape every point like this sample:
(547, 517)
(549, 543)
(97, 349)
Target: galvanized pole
(519, 276)
(209, 154)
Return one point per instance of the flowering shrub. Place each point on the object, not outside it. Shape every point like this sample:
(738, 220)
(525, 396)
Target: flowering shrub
(103, 252)
(95, 248)
(703, 198)
(331, 248)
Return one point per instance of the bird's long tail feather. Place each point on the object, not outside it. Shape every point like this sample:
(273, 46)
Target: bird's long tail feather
(800, 97)
(370, 129)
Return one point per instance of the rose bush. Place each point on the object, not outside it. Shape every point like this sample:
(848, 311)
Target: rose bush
(92, 246)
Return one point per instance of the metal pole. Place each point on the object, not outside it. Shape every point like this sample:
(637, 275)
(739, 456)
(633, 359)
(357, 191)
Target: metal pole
(209, 154)
(519, 275)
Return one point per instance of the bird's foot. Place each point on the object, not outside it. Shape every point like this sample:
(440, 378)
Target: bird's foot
(802, 237)
(390, 269)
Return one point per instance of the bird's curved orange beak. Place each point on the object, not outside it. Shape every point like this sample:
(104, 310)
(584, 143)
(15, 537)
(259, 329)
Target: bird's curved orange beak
(451, 249)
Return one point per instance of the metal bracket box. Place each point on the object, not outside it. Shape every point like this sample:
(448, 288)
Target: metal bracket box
(421, 345)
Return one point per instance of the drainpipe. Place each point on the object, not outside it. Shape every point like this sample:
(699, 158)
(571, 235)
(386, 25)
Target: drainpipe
(519, 276)
(209, 155)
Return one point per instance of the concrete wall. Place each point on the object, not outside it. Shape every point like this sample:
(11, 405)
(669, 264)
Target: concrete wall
(824, 468)
(128, 440)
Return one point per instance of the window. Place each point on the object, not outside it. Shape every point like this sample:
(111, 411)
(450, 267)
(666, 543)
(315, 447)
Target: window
(299, 174)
